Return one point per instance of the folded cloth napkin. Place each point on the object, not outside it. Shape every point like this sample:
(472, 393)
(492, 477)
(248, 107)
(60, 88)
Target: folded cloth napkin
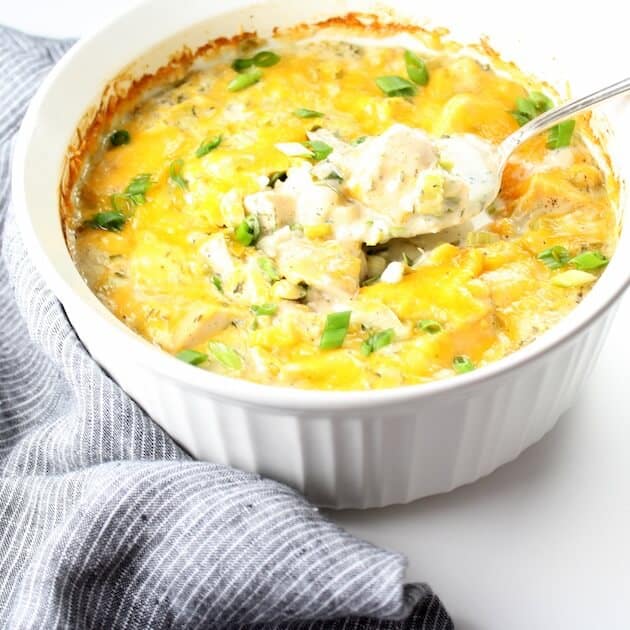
(106, 523)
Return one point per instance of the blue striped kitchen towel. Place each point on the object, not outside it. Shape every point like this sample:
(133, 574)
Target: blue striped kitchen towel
(106, 523)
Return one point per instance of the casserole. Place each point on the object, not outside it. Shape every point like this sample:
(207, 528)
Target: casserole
(341, 448)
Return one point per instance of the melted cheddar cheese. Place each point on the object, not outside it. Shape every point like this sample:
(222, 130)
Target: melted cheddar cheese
(177, 272)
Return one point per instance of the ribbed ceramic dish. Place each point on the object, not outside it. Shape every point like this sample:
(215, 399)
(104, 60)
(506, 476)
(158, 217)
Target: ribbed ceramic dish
(342, 449)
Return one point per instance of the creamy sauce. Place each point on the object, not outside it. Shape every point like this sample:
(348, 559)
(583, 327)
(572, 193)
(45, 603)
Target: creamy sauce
(399, 184)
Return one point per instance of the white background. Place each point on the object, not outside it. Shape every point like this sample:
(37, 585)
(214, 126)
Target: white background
(544, 542)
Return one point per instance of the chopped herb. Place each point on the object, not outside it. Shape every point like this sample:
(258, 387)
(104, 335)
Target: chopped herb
(269, 269)
(588, 261)
(248, 231)
(396, 86)
(277, 176)
(218, 283)
(377, 341)
(133, 195)
(303, 112)
(359, 140)
(521, 118)
(463, 364)
(210, 144)
(225, 355)
(541, 101)
(527, 108)
(335, 330)
(334, 176)
(560, 134)
(112, 221)
(555, 257)
(242, 64)
(192, 357)
(175, 174)
(244, 80)
(264, 309)
(265, 59)
(416, 68)
(119, 137)
(319, 150)
(138, 188)
(430, 326)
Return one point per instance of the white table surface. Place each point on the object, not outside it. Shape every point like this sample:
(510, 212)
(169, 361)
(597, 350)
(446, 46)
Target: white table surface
(541, 544)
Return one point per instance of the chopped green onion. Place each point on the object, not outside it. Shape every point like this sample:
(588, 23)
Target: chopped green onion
(175, 174)
(112, 221)
(218, 283)
(359, 140)
(377, 341)
(119, 137)
(335, 330)
(139, 186)
(560, 134)
(396, 86)
(242, 64)
(192, 356)
(264, 309)
(248, 231)
(225, 355)
(244, 80)
(463, 364)
(277, 176)
(210, 144)
(133, 195)
(527, 108)
(555, 257)
(303, 112)
(265, 59)
(541, 101)
(430, 326)
(521, 118)
(588, 261)
(416, 68)
(320, 150)
(269, 269)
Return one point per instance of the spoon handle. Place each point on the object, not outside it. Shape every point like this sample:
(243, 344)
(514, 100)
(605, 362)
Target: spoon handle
(553, 116)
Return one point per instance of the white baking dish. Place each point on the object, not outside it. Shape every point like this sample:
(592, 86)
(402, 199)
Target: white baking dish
(342, 449)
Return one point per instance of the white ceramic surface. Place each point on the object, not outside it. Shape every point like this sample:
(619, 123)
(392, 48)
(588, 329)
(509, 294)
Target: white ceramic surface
(342, 449)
